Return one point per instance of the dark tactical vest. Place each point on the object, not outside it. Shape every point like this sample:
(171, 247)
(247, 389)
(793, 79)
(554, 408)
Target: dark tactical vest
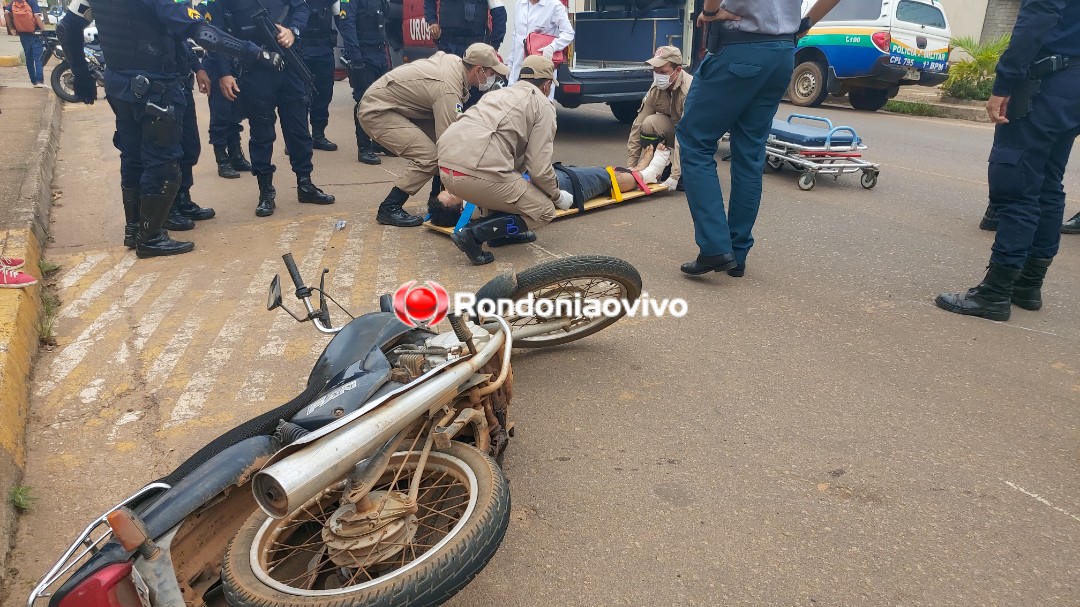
(134, 39)
(238, 17)
(464, 18)
(371, 22)
(320, 25)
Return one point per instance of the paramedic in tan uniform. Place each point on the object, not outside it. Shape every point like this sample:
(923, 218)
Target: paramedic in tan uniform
(661, 110)
(429, 89)
(482, 158)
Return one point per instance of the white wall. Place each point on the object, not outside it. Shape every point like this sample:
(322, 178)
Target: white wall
(965, 16)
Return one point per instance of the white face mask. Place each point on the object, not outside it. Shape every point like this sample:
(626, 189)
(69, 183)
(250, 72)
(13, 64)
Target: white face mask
(487, 83)
(661, 81)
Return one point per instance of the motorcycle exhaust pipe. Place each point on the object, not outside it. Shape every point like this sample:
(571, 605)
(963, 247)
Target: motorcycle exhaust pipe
(291, 482)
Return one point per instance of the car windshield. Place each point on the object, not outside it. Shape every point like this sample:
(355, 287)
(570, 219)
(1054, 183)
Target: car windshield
(919, 13)
(855, 10)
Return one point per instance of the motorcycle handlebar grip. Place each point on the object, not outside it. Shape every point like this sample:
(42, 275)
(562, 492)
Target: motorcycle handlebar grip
(290, 264)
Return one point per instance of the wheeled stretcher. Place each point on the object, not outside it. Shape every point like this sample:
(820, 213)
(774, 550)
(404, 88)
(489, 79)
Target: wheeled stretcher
(813, 150)
(615, 196)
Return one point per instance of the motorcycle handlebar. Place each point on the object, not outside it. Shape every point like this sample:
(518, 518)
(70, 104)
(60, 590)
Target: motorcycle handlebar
(290, 264)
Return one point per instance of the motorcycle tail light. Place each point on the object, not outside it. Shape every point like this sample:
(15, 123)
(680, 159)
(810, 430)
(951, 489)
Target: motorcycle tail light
(882, 40)
(110, 586)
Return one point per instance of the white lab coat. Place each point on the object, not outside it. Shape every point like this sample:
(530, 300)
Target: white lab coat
(546, 17)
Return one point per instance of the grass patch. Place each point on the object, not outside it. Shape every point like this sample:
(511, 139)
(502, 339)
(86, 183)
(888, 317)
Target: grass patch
(21, 498)
(48, 268)
(50, 308)
(914, 108)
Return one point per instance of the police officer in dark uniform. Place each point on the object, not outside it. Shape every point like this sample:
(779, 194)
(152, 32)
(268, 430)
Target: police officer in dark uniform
(144, 42)
(363, 31)
(225, 121)
(455, 24)
(184, 211)
(263, 91)
(317, 42)
(1036, 106)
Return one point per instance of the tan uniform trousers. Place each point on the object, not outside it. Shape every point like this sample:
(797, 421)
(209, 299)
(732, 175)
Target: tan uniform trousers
(408, 140)
(519, 197)
(661, 126)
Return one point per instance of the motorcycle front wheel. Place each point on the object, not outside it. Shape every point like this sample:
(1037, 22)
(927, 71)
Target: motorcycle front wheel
(563, 282)
(400, 554)
(63, 83)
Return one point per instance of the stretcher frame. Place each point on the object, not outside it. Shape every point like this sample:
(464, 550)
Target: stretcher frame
(831, 159)
(615, 197)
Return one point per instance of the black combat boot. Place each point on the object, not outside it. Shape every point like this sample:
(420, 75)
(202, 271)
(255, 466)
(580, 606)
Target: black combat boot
(151, 239)
(308, 192)
(189, 209)
(391, 214)
(236, 155)
(131, 215)
(225, 166)
(320, 142)
(267, 195)
(989, 220)
(471, 238)
(1071, 226)
(1027, 289)
(176, 220)
(365, 148)
(990, 299)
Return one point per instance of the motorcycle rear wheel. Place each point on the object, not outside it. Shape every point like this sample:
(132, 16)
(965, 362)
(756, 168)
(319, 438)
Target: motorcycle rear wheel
(260, 566)
(63, 83)
(585, 276)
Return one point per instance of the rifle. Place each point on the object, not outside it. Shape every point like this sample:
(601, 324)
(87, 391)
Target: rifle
(267, 28)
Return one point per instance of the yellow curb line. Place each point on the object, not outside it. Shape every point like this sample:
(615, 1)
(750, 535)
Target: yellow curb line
(9, 61)
(18, 344)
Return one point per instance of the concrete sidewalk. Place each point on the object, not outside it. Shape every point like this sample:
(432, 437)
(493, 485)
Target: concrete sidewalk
(25, 191)
(942, 106)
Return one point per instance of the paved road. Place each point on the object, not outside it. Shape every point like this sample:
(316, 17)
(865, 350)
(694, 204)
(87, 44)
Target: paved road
(816, 433)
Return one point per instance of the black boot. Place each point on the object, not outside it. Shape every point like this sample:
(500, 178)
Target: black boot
(710, 263)
(365, 148)
(1027, 289)
(991, 299)
(131, 215)
(1071, 226)
(471, 238)
(189, 209)
(176, 220)
(442, 215)
(381, 150)
(267, 195)
(320, 142)
(236, 156)
(309, 192)
(989, 220)
(151, 239)
(391, 214)
(225, 166)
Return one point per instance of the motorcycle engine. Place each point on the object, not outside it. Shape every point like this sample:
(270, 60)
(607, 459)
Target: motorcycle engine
(410, 361)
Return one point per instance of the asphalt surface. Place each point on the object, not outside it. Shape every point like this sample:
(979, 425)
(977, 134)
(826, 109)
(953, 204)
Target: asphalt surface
(816, 433)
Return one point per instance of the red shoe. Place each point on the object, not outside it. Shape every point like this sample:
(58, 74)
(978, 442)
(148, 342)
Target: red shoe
(12, 263)
(14, 279)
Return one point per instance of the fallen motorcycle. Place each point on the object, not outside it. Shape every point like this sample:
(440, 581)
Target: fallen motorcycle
(63, 82)
(382, 489)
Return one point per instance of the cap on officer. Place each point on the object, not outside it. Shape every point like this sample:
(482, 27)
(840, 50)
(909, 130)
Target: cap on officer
(665, 55)
(484, 55)
(537, 67)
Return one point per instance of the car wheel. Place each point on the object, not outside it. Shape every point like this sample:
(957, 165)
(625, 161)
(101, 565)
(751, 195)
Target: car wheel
(808, 84)
(625, 111)
(870, 100)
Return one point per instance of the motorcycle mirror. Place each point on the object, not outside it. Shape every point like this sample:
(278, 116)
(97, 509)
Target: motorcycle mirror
(273, 298)
(324, 310)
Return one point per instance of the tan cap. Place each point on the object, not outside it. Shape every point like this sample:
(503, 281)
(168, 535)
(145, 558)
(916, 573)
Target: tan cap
(537, 67)
(665, 55)
(484, 55)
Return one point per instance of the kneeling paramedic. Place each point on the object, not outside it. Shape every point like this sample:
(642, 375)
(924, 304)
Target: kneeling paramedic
(661, 109)
(482, 158)
(429, 89)
(144, 42)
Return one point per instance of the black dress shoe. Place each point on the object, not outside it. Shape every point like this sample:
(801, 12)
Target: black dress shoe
(523, 238)
(710, 263)
(738, 271)
(1071, 226)
(307, 192)
(398, 217)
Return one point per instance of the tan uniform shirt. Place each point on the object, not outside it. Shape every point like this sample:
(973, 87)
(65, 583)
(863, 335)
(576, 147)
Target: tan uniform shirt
(659, 101)
(428, 88)
(509, 132)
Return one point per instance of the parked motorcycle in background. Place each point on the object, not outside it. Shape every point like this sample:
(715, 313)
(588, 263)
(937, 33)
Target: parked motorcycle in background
(63, 83)
(382, 489)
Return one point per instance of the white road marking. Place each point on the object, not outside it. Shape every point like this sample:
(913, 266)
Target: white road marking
(1043, 501)
(161, 308)
(76, 274)
(90, 393)
(123, 420)
(350, 260)
(537, 247)
(386, 281)
(76, 351)
(107, 280)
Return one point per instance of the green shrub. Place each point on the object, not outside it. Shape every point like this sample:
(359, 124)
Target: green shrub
(973, 78)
